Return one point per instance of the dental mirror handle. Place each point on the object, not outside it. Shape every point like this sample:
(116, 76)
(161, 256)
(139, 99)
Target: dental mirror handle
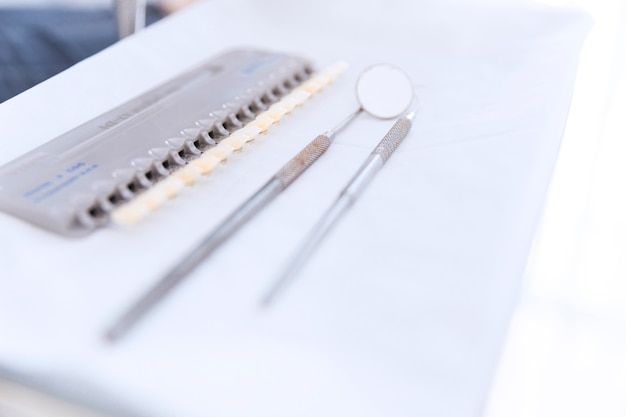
(347, 197)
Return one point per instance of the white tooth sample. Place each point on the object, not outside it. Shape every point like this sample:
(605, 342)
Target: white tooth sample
(263, 121)
(188, 174)
(171, 186)
(236, 141)
(277, 111)
(250, 132)
(291, 101)
(313, 85)
(206, 163)
(222, 151)
(298, 97)
(153, 198)
(131, 213)
(336, 70)
(241, 136)
(322, 78)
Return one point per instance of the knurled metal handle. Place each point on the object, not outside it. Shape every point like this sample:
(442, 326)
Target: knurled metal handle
(299, 163)
(392, 139)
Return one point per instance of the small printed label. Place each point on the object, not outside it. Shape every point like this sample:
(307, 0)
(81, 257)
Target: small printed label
(60, 181)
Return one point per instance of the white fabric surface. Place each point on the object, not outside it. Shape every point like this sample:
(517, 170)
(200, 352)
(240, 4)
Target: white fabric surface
(402, 310)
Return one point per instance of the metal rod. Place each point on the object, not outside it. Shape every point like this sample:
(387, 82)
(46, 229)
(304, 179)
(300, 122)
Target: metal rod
(344, 201)
(177, 274)
(344, 123)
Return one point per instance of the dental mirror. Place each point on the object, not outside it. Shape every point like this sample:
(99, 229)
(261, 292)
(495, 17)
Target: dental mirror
(384, 91)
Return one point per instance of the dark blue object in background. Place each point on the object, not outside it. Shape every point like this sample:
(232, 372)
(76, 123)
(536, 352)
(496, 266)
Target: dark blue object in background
(37, 43)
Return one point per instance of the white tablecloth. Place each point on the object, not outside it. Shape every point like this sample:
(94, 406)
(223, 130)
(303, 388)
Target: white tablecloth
(403, 309)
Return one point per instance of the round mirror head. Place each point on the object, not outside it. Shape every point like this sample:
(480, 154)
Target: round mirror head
(384, 91)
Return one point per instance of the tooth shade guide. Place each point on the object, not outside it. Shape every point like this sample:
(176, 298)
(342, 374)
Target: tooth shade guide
(168, 188)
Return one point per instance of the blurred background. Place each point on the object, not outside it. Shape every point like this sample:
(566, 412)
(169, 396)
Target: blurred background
(566, 349)
(39, 39)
